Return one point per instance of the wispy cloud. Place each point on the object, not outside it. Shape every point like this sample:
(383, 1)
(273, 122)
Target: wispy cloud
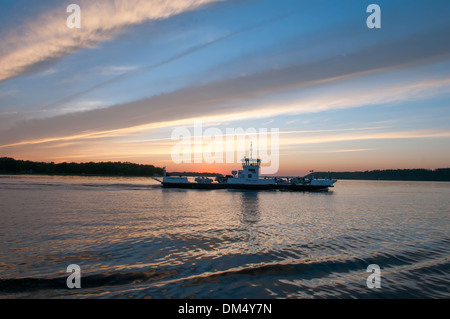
(124, 72)
(232, 99)
(412, 134)
(118, 69)
(349, 150)
(182, 108)
(352, 150)
(47, 72)
(47, 37)
(82, 106)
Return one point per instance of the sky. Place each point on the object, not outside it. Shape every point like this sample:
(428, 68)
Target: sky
(343, 97)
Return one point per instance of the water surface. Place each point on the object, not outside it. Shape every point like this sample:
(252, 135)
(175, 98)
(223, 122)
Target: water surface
(134, 239)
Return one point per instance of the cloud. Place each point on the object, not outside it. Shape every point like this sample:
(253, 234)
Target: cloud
(68, 128)
(412, 134)
(234, 98)
(47, 38)
(124, 72)
(118, 69)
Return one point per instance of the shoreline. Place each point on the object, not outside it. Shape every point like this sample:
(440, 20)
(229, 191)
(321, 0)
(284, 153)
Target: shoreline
(146, 176)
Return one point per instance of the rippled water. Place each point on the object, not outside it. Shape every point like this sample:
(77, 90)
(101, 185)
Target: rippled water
(133, 238)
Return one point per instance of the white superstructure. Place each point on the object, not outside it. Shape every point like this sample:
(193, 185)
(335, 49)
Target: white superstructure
(249, 174)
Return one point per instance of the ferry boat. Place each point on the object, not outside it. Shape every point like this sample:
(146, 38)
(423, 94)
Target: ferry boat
(248, 178)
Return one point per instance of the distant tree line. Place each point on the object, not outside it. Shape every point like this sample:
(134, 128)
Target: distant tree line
(12, 166)
(193, 174)
(440, 174)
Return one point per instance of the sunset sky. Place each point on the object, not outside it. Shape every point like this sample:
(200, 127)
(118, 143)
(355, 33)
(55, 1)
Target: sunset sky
(344, 97)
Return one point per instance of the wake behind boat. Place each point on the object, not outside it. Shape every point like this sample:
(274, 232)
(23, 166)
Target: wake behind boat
(248, 178)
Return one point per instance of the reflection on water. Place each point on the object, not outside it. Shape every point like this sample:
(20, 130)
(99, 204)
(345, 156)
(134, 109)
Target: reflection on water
(249, 213)
(133, 238)
(249, 216)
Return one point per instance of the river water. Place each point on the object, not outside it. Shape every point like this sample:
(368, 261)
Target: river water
(133, 239)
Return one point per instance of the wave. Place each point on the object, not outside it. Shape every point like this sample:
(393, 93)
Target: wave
(401, 269)
(16, 285)
(413, 273)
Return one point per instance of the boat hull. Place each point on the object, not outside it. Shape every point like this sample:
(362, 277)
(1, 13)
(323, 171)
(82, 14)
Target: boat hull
(290, 187)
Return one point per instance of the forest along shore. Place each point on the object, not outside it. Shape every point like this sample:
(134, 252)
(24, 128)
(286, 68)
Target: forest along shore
(12, 166)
